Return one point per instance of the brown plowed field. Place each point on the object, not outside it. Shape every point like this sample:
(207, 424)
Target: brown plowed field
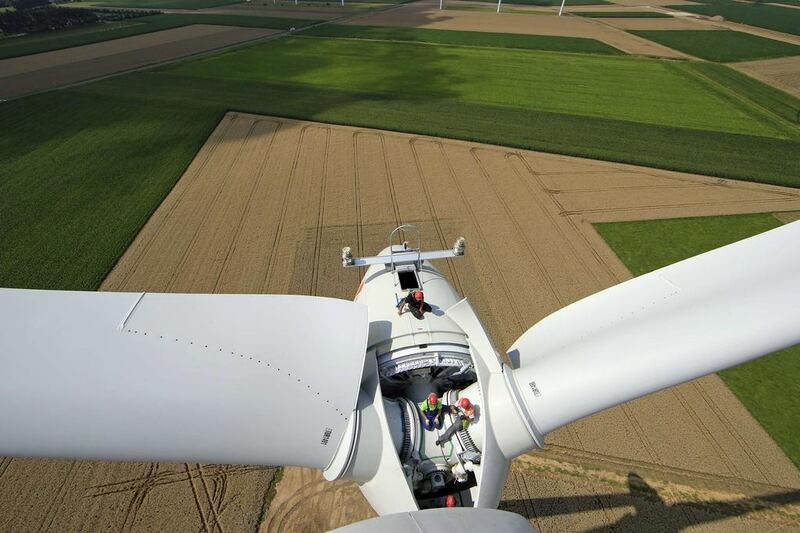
(783, 73)
(684, 23)
(266, 206)
(425, 14)
(269, 10)
(39, 72)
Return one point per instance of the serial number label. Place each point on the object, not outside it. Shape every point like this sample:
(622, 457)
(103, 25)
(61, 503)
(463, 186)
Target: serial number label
(326, 436)
(534, 389)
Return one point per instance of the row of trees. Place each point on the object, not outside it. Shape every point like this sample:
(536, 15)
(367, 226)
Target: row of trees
(34, 16)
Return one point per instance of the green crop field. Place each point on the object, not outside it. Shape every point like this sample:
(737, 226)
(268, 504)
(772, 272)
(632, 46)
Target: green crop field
(464, 38)
(80, 179)
(34, 44)
(636, 90)
(622, 14)
(776, 101)
(721, 46)
(761, 15)
(768, 387)
(84, 167)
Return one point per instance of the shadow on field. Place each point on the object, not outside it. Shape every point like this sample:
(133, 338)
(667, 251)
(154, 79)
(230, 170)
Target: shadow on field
(305, 78)
(650, 511)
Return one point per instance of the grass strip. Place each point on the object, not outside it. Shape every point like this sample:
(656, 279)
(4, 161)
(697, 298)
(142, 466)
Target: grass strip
(761, 15)
(776, 101)
(465, 38)
(768, 387)
(622, 14)
(721, 46)
(34, 44)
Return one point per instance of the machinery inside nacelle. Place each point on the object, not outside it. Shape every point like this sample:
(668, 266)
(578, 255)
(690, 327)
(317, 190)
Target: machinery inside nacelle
(435, 471)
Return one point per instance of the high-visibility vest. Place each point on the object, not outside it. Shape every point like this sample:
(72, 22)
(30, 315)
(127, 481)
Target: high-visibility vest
(425, 406)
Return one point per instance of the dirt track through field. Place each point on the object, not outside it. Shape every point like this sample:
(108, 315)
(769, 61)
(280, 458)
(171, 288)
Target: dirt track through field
(39, 72)
(266, 206)
(425, 14)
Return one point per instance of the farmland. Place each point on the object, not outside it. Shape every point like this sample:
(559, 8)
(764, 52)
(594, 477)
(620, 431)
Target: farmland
(721, 46)
(465, 38)
(550, 2)
(165, 4)
(117, 156)
(239, 220)
(165, 115)
(768, 387)
(622, 14)
(761, 15)
(600, 87)
(249, 170)
(34, 44)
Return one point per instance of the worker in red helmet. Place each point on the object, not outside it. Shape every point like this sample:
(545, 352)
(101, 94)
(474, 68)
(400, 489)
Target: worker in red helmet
(464, 413)
(432, 410)
(415, 300)
(450, 501)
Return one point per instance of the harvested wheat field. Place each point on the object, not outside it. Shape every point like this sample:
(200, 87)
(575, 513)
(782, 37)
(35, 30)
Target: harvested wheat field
(684, 23)
(425, 14)
(321, 12)
(783, 72)
(39, 72)
(266, 206)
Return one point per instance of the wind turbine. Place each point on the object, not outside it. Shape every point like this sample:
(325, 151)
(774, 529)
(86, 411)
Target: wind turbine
(138, 376)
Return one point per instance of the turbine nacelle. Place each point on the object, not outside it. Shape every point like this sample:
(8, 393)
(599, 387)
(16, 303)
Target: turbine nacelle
(137, 376)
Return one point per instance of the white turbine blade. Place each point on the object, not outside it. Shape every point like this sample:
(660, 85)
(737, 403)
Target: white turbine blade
(690, 319)
(178, 377)
(458, 519)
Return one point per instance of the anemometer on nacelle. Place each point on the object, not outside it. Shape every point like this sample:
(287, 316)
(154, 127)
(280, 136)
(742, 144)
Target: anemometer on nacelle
(403, 256)
(159, 366)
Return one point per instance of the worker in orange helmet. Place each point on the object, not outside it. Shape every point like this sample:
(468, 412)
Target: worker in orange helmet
(415, 300)
(464, 414)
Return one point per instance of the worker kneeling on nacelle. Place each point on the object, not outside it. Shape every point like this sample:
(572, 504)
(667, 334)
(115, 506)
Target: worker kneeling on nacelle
(415, 300)
(464, 415)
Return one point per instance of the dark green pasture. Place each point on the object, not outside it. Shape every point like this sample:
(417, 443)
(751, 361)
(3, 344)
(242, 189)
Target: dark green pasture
(721, 46)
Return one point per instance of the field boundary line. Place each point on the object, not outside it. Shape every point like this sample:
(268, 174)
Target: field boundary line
(284, 207)
(476, 46)
(138, 497)
(732, 428)
(554, 217)
(320, 215)
(246, 210)
(537, 260)
(593, 460)
(752, 107)
(197, 501)
(222, 182)
(212, 503)
(504, 283)
(216, 137)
